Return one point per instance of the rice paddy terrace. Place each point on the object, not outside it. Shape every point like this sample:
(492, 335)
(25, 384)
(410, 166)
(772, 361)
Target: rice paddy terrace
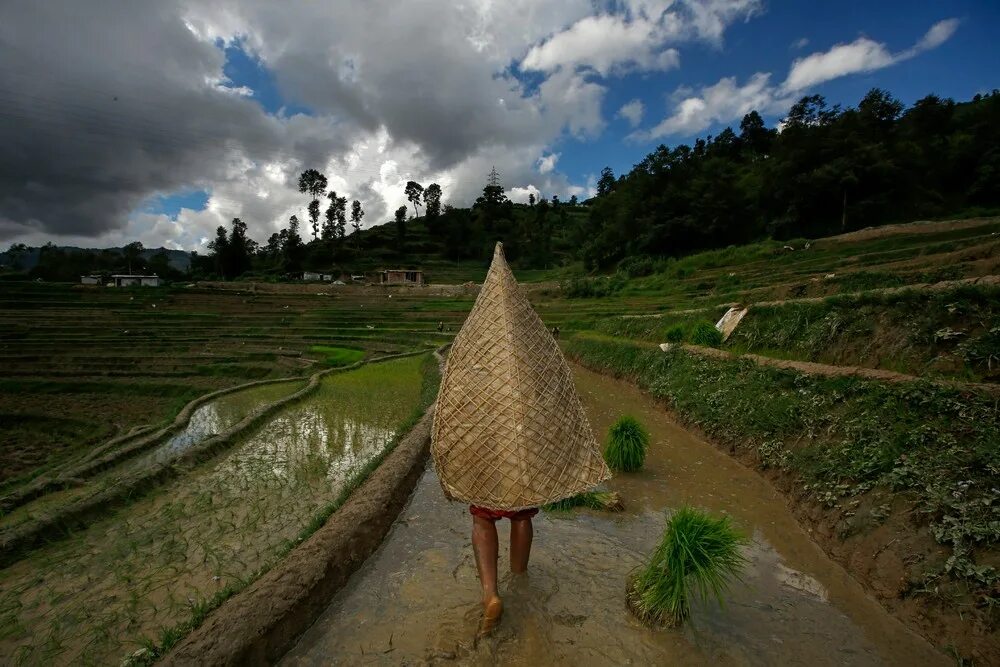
(166, 510)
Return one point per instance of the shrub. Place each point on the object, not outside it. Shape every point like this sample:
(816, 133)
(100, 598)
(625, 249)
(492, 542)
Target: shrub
(698, 556)
(626, 446)
(675, 334)
(637, 266)
(705, 333)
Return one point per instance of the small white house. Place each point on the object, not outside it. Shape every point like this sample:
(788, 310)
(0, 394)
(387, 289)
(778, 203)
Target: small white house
(129, 280)
(90, 280)
(327, 277)
(310, 275)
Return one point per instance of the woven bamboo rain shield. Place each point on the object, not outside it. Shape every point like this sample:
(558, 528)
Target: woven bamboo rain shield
(509, 430)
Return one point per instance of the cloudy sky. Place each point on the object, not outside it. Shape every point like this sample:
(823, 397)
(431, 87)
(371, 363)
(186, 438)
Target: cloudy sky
(159, 120)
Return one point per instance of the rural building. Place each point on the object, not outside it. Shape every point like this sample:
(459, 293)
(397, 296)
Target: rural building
(310, 275)
(128, 280)
(401, 277)
(90, 280)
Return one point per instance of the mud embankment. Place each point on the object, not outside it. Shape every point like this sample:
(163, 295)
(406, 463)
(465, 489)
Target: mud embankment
(257, 626)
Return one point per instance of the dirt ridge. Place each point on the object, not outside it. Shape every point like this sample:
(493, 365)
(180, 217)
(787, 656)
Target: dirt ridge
(829, 370)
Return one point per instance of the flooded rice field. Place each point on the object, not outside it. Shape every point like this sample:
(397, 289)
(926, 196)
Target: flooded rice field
(92, 597)
(416, 600)
(206, 421)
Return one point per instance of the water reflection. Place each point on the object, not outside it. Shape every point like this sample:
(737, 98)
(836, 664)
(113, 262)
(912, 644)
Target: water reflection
(308, 439)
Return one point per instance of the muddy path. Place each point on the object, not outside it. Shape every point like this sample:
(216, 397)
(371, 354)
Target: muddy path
(829, 370)
(415, 600)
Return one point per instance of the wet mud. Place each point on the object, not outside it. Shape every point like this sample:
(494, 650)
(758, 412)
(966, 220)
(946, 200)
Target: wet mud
(416, 600)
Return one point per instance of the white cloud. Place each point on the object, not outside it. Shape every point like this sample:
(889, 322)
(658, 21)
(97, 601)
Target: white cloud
(606, 44)
(726, 100)
(720, 102)
(632, 112)
(939, 33)
(547, 163)
(520, 195)
(800, 43)
(861, 55)
(395, 91)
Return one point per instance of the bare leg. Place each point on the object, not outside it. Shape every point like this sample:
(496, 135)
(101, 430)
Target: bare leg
(486, 548)
(521, 532)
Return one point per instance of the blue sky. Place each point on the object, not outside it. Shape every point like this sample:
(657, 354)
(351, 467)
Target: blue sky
(961, 67)
(171, 123)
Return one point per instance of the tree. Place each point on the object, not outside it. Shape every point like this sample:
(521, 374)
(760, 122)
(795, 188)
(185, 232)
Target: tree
(531, 199)
(413, 192)
(313, 183)
(357, 213)
(133, 253)
(341, 217)
(241, 248)
(432, 201)
(330, 226)
(606, 183)
(401, 229)
(292, 247)
(220, 250)
(16, 253)
(573, 201)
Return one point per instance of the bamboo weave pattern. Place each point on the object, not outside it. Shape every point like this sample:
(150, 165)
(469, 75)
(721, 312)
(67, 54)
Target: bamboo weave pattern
(509, 430)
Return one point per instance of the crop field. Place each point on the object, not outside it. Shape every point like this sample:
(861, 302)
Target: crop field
(127, 581)
(158, 521)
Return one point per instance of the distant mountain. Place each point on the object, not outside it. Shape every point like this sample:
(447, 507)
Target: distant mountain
(179, 259)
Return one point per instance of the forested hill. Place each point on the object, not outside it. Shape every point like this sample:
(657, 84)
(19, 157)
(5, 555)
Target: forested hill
(828, 169)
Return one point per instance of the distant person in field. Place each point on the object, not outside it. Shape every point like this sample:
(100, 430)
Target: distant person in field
(509, 432)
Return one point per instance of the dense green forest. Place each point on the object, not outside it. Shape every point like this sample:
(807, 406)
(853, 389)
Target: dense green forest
(827, 170)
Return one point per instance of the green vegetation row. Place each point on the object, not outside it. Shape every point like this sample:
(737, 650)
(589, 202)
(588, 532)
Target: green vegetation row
(953, 333)
(846, 440)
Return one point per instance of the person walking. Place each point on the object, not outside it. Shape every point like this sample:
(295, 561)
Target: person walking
(509, 434)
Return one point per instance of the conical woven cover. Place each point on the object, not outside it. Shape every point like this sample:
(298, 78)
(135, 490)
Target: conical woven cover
(509, 430)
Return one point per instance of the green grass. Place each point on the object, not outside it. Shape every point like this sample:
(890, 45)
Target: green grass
(626, 445)
(698, 557)
(338, 356)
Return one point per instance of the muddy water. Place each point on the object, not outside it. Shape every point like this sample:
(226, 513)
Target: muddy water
(91, 598)
(415, 601)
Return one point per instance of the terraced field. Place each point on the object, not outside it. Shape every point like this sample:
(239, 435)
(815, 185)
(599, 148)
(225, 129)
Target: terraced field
(91, 380)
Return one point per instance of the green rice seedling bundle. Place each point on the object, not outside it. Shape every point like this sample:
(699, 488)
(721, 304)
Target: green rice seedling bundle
(628, 440)
(706, 334)
(607, 501)
(698, 556)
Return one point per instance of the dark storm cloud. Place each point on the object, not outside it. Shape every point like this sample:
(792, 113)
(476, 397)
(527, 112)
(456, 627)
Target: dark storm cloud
(105, 103)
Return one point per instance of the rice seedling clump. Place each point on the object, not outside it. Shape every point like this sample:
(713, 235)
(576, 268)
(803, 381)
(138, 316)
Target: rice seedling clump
(627, 443)
(607, 501)
(706, 334)
(698, 556)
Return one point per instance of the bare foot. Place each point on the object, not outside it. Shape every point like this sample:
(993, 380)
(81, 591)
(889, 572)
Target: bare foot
(492, 610)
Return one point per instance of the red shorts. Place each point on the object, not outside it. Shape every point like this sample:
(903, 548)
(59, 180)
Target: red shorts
(494, 515)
